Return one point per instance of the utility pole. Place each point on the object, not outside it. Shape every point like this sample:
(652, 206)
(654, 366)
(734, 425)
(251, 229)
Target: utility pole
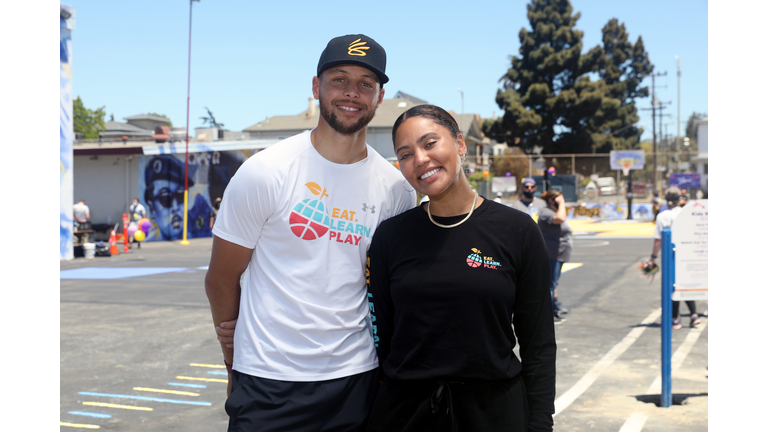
(677, 140)
(654, 101)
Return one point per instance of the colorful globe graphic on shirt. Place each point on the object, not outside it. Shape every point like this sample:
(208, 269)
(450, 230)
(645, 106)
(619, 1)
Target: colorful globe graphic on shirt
(474, 260)
(309, 219)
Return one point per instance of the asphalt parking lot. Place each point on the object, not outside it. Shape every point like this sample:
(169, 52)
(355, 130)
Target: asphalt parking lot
(138, 350)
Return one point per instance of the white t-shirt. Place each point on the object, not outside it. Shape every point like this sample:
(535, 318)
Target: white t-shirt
(303, 307)
(81, 212)
(137, 209)
(664, 220)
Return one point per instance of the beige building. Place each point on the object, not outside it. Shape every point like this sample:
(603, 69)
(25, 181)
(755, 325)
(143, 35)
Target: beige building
(379, 129)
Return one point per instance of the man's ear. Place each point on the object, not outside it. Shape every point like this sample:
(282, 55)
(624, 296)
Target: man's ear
(381, 97)
(316, 88)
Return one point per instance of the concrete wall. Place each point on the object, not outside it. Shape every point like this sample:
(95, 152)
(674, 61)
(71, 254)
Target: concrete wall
(107, 183)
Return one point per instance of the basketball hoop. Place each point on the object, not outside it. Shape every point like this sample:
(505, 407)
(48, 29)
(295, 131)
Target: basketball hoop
(625, 168)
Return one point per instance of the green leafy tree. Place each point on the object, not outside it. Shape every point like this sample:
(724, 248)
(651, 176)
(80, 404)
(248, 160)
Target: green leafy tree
(546, 98)
(87, 122)
(691, 131)
(623, 66)
(512, 161)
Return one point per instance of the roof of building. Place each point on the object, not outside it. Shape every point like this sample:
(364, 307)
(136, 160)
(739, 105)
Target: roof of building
(147, 117)
(414, 99)
(118, 128)
(386, 114)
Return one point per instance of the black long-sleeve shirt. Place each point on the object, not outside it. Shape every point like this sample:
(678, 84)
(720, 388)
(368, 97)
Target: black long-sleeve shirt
(444, 301)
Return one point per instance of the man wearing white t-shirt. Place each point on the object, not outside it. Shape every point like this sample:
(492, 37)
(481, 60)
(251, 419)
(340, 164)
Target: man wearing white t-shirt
(665, 220)
(296, 221)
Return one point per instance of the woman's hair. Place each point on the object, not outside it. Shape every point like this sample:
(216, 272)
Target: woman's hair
(432, 112)
(550, 194)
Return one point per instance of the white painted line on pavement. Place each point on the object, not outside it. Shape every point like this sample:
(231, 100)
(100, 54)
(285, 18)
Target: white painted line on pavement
(635, 422)
(591, 376)
(632, 424)
(679, 355)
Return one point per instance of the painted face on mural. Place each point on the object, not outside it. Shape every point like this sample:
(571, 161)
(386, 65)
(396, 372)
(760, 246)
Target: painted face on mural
(167, 207)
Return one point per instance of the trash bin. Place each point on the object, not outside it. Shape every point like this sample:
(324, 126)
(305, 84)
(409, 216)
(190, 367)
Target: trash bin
(89, 250)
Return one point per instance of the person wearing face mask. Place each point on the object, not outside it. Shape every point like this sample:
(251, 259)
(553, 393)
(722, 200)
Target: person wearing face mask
(529, 202)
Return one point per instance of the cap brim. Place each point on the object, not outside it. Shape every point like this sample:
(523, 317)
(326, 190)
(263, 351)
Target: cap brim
(383, 78)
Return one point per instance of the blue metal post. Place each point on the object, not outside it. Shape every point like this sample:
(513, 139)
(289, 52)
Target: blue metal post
(667, 286)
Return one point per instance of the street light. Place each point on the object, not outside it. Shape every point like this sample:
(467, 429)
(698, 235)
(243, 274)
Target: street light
(184, 240)
(462, 109)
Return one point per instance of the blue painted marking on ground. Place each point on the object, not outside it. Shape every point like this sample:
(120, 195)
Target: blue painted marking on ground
(188, 385)
(217, 373)
(146, 398)
(115, 272)
(97, 415)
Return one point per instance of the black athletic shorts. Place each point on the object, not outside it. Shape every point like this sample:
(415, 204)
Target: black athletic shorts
(435, 406)
(265, 405)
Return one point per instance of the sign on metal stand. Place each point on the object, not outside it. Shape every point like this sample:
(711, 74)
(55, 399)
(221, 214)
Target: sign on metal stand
(689, 255)
(667, 284)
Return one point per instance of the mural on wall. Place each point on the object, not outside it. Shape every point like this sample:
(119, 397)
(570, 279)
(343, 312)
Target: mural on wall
(66, 134)
(608, 211)
(161, 190)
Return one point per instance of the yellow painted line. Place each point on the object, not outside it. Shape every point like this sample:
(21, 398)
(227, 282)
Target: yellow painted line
(570, 266)
(109, 405)
(202, 379)
(78, 425)
(176, 392)
(208, 365)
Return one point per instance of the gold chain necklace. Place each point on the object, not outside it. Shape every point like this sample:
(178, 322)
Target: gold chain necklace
(457, 223)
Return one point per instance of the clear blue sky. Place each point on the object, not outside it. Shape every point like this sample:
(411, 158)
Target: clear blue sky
(252, 60)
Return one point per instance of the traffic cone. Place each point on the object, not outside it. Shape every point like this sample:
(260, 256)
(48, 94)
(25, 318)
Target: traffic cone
(113, 244)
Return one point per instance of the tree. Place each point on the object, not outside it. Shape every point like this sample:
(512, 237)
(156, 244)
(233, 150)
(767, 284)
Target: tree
(87, 122)
(211, 120)
(623, 66)
(545, 97)
(513, 161)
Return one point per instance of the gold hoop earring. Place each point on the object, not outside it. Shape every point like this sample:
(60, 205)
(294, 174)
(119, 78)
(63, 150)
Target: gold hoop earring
(406, 189)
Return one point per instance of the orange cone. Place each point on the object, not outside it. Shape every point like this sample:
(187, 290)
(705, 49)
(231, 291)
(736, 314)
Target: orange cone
(113, 244)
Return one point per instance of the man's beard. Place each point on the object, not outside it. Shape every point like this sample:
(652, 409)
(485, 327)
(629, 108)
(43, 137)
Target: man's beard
(338, 126)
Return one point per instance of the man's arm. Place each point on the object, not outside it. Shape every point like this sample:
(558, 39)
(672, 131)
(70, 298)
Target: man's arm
(561, 211)
(222, 286)
(656, 248)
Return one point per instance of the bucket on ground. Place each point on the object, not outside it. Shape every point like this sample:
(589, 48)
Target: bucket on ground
(89, 250)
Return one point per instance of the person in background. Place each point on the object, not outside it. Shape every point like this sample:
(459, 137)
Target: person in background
(529, 202)
(663, 221)
(82, 214)
(557, 236)
(137, 210)
(82, 217)
(448, 279)
(498, 197)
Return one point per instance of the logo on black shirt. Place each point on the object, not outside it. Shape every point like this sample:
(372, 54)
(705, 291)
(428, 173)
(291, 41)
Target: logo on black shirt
(475, 259)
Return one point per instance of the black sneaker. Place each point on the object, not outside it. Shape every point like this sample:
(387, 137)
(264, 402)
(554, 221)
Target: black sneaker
(559, 307)
(695, 320)
(558, 319)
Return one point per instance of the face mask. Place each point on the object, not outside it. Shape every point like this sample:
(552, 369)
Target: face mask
(528, 194)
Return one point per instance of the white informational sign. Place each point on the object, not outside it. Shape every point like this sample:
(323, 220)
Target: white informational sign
(690, 232)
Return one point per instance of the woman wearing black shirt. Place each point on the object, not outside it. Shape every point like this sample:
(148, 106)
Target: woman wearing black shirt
(454, 285)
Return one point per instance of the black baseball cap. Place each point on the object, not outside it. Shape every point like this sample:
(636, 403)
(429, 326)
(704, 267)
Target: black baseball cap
(165, 168)
(357, 49)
